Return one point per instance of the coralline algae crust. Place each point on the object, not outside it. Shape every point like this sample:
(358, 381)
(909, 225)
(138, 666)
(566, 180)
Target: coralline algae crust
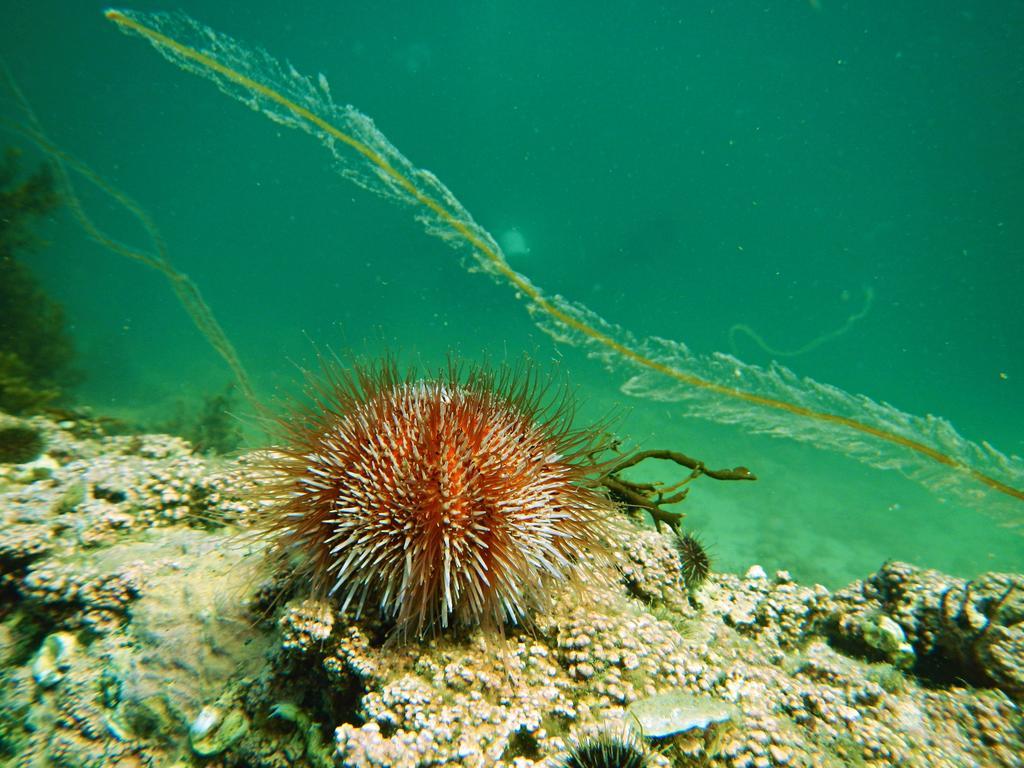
(142, 631)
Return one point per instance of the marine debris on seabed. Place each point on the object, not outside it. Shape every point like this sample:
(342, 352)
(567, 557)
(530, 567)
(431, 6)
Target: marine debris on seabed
(138, 629)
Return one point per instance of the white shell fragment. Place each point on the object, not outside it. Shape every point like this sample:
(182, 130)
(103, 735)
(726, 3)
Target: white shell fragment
(53, 659)
(673, 713)
(212, 732)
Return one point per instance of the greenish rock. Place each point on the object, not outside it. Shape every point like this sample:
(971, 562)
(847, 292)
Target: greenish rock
(116, 728)
(212, 732)
(110, 688)
(53, 659)
(673, 713)
(886, 636)
(149, 716)
(73, 495)
(317, 753)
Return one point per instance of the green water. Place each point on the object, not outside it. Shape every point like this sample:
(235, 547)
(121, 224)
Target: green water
(678, 171)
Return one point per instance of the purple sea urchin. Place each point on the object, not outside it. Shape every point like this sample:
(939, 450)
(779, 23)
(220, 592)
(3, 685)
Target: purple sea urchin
(459, 499)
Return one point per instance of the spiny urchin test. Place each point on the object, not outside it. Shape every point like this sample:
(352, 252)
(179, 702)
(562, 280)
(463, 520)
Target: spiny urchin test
(607, 750)
(459, 499)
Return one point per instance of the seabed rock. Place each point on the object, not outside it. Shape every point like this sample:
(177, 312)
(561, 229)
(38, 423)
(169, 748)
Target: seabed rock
(142, 630)
(213, 732)
(51, 663)
(885, 635)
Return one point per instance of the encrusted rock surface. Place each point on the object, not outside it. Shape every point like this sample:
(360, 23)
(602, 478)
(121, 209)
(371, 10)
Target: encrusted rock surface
(971, 630)
(138, 628)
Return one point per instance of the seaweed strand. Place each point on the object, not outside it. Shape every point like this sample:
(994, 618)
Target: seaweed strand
(183, 286)
(395, 178)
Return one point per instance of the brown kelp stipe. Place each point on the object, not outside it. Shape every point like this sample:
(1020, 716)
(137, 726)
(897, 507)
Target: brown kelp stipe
(280, 92)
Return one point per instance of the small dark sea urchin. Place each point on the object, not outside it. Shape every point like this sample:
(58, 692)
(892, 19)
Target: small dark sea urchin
(460, 499)
(607, 751)
(694, 560)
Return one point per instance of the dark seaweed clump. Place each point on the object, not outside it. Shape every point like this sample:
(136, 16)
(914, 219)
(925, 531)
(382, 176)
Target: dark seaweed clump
(19, 445)
(214, 429)
(35, 346)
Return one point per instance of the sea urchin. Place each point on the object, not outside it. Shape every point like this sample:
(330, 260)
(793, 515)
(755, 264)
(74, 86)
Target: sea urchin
(607, 750)
(694, 559)
(458, 499)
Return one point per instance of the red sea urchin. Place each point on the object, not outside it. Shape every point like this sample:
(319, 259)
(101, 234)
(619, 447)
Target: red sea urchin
(458, 499)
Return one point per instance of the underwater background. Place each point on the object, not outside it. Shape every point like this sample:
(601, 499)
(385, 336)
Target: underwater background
(837, 181)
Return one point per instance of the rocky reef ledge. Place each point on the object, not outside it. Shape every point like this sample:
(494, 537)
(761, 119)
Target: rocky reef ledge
(138, 628)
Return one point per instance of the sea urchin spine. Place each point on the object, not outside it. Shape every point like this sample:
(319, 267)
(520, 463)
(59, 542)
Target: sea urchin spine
(459, 499)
